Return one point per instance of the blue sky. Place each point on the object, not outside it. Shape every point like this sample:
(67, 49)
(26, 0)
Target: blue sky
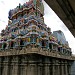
(51, 19)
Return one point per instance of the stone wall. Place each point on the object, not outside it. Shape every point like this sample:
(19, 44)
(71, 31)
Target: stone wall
(33, 64)
(73, 68)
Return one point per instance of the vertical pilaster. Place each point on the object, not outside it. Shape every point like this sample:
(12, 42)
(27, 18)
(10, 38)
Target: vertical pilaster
(53, 69)
(14, 66)
(46, 66)
(50, 69)
(0, 65)
(46, 69)
(62, 69)
(66, 72)
(5, 69)
(6, 65)
(58, 70)
(39, 69)
(32, 69)
(69, 69)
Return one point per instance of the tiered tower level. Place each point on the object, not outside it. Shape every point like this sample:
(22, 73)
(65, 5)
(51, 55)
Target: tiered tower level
(26, 28)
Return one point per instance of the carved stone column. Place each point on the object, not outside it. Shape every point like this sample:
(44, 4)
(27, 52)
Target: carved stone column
(32, 69)
(62, 68)
(40, 69)
(14, 66)
(6, 65)
(46, 69)
(66, 69)
(69, 69)
(0, 68)
(58, 70)
(53, 69)
(46, 65)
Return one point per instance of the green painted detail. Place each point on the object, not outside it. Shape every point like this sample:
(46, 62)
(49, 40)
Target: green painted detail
(41, 7)
(38, 4)
(34, 1)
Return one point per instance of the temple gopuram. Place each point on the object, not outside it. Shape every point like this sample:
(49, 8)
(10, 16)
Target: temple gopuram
(28, 47)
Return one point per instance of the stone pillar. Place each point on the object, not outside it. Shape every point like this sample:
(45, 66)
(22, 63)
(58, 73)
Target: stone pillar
(65, 69)
(5, 66)
(53, 69)
(39, 69)
(69, 69)
(5, 70)
(46, 69)
(23, 69)
(0, 65)
(62, 69)
(14, 66)
(15, 69)
(58, 70)
(0, 68)
(32, 69)
(25, 72)
(50, 69)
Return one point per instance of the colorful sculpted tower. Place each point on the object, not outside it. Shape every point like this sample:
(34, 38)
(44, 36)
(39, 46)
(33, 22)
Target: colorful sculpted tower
(26, 27)
(27, 45)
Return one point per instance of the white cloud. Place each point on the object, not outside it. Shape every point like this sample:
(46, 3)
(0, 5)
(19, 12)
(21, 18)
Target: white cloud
(50, 19)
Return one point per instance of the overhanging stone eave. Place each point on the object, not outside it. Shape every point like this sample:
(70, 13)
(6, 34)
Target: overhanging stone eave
(39, 51)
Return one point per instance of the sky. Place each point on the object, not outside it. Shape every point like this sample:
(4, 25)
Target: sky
(50, 18)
